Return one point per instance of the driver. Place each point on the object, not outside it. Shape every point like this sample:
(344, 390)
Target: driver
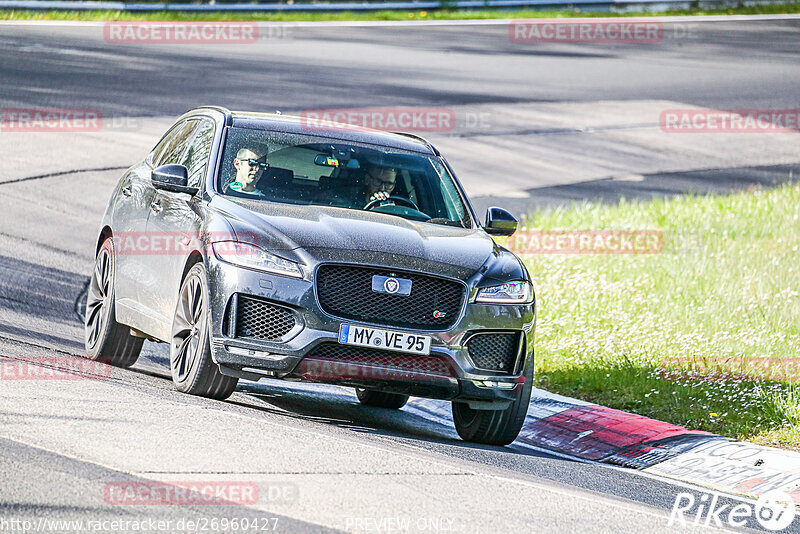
(379, 183)
(250, 166)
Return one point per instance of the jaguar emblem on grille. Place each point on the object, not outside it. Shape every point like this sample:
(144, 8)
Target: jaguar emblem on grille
(391, 285)
(438, 314)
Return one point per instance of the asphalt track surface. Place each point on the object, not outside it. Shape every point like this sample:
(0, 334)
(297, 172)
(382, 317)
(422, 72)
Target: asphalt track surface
(62, 441)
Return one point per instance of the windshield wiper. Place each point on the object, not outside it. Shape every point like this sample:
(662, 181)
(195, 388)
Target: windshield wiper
(447, 222)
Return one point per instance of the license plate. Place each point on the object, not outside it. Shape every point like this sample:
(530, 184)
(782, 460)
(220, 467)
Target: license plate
(377, 338)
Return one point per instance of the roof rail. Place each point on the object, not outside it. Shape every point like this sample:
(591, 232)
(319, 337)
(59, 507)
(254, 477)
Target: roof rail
(420, 138)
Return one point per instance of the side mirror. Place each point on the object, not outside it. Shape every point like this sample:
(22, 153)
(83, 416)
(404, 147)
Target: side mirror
(172, 178)
(500, 222)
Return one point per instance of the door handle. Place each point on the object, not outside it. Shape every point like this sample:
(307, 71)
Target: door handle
(127, 190)
(156, 207)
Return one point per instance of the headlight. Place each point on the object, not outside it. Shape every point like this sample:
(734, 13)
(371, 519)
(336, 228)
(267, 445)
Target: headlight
(508, 293)
(252, 257)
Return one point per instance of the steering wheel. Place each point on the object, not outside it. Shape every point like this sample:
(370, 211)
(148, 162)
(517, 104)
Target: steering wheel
(397, 200)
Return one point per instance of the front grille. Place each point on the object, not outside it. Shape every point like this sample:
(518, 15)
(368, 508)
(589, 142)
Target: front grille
(494, 352)
(385, 359)
(346, 292)
(259, 319)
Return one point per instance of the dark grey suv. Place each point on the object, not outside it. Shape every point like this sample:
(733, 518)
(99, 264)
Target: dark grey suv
(262, 245)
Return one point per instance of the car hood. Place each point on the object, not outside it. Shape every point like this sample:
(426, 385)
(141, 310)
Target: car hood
(322, 233)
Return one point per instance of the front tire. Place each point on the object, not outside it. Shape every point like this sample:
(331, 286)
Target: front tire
(494, 427)
(193, 370)
(378, 399)
(105, 338)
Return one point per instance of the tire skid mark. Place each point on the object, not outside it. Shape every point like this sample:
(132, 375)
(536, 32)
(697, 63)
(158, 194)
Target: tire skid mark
(62, 173)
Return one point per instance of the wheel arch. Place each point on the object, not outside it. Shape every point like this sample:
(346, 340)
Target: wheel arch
(105, 233)
(194, 258)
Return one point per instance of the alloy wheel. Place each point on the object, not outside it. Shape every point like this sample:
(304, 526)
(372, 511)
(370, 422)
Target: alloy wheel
(97, 298)
(188, 328)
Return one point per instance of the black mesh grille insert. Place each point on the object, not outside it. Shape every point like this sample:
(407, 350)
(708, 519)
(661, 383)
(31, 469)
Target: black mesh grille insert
(494, 352)
(260, 319)
(346, 291)
(408, 363)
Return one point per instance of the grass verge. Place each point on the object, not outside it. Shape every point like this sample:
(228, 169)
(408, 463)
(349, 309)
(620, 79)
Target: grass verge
(704, 334)
(439, 14)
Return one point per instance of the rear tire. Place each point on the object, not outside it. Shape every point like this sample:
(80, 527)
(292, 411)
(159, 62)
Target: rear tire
(494, 427)
(105, 338)
(378, 399)
(193, 370)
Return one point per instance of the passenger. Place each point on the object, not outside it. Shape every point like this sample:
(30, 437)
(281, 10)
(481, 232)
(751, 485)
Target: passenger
(249, 168)
(379, 182)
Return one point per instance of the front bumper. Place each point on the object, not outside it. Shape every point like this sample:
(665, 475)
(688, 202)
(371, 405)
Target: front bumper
(293, 356)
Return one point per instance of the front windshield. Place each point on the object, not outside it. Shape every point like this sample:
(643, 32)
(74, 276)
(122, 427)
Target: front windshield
(313, 170)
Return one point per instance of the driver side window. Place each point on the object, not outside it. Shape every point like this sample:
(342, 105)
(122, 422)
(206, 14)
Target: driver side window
(155, 155)
(177, 144)
(196, 158)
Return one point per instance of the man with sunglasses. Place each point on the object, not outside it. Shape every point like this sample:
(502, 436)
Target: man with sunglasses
(249, 168)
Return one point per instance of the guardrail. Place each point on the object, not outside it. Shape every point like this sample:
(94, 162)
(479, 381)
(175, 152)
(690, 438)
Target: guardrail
(583, 5)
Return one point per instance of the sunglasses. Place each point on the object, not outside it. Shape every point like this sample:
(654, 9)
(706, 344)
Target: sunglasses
(255, 163)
